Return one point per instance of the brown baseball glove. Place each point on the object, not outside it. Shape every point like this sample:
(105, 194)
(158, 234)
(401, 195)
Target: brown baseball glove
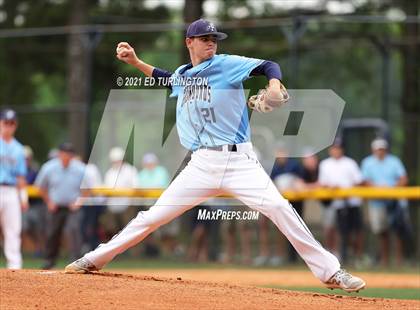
(266, 100)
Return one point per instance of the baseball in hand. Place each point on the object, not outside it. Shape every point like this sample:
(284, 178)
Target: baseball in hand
(126, 53)
(122, 52)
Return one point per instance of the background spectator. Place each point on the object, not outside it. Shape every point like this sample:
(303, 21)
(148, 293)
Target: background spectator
(310, 171)
(92, 212)
(339, 171)
(154, 175)
(286, 174)
(53, 153)
(120, 175)
(33, 221)
(31, 168)
(198, 249)
(386, 170)
(59, 181)
(233, 231)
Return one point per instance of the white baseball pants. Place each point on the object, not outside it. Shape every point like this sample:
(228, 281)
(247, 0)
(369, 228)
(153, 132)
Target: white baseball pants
(211, 172)
(11, 224)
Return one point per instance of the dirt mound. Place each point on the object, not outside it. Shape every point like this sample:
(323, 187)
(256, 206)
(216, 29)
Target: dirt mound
(276, 277)
(33, 289)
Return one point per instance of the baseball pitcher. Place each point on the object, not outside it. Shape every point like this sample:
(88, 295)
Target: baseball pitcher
(212, 121)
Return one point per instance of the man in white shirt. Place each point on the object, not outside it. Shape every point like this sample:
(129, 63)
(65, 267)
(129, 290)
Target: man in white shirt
(119, 175)
(339, 171)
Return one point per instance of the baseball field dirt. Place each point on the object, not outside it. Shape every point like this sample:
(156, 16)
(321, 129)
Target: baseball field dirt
(34, 289)
(273, 277)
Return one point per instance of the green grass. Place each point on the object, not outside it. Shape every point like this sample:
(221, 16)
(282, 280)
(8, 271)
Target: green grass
(395, 293)
(132, 263)
(126, 262)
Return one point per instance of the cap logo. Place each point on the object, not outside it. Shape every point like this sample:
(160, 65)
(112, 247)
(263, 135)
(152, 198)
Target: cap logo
(211, 28)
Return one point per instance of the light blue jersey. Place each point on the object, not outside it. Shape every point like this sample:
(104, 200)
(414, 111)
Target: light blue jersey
(155, 178)
(384, 172)
(63, 184)
(12, 161)
(211, 106)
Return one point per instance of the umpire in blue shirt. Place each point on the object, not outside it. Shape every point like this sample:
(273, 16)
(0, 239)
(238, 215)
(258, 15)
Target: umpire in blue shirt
(59, 181)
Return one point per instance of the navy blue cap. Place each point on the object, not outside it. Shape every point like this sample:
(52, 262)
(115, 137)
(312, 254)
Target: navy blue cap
(8, 115)
(203, 27)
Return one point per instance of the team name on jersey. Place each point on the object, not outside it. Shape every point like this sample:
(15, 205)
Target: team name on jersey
(197, 92)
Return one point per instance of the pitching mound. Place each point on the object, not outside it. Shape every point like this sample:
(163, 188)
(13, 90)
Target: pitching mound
(33, 289)
(276, 277)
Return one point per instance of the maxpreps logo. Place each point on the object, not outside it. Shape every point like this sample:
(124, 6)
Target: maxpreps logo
(215, 215)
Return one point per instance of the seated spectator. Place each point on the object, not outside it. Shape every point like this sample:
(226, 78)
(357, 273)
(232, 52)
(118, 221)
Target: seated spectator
(339, 171)
(386, 170)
